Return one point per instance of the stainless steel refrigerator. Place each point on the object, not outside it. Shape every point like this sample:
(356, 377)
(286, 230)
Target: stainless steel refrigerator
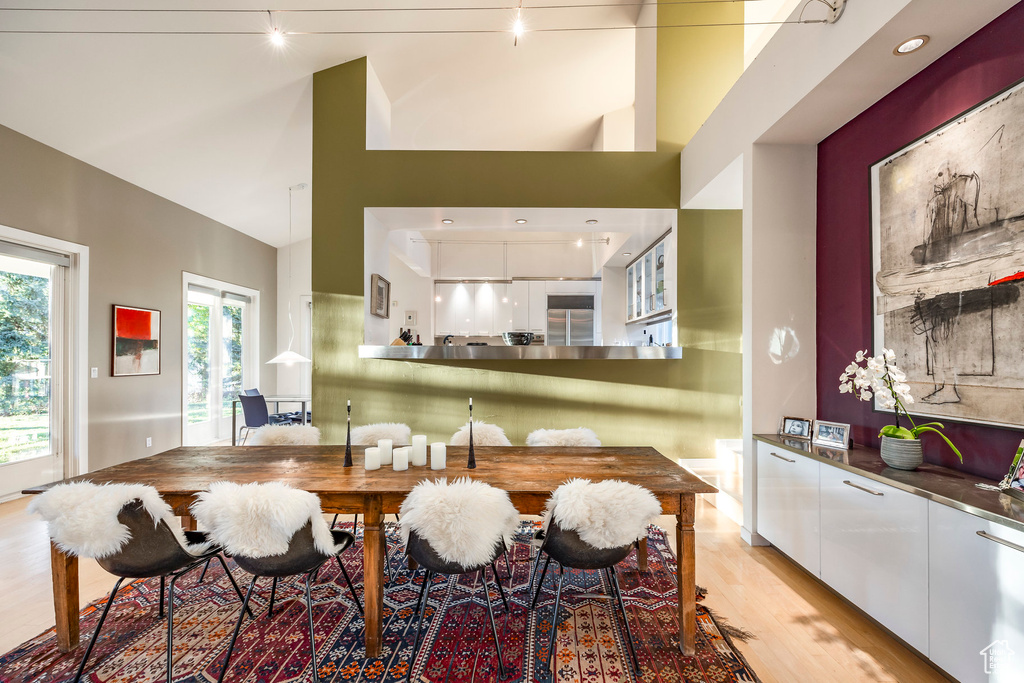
(570, 320)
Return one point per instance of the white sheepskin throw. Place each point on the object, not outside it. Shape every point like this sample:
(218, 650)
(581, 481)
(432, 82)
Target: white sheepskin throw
(608, 514)
(461, 521)
(581, 436)
(286, 435)
(82, 517)
(259, 520)
(484, 434)
(369, 435)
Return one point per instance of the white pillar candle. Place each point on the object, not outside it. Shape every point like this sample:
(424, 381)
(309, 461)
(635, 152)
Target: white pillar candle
(372, 458)
(401, 458)
(419, 450)
(385, 451)
(438, 455)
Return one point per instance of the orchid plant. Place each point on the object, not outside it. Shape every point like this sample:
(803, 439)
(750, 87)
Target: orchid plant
(879, 378)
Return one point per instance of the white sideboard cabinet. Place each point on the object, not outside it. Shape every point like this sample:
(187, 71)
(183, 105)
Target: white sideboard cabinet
(787, 504)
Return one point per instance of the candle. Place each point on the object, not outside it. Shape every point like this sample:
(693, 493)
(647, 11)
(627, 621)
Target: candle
(401, 458)
(419, 450)
(372, 458)
(438, 455)
(385, 451)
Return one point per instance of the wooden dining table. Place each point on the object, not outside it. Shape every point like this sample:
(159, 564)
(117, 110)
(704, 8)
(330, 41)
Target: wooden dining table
(527, 474)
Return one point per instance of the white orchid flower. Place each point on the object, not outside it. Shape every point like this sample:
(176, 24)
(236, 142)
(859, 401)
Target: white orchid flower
(851, 368)
(846, 388)
(860, 356)
(865, 395)
(896, 374)
(889, 354)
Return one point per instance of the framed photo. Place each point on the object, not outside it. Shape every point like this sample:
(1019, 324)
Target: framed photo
(831, 434)
(136, 342)
(380, 296)
(945, 276)
(1013, 484)
(795, 428)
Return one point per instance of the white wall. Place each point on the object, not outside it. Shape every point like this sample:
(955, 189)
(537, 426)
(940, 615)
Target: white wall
(645, 131)
(296, 259)
(616, 131)
(471, 261)
(757, 34)
(376, 259)
(378, 112)
(412, 293)
(613, 306)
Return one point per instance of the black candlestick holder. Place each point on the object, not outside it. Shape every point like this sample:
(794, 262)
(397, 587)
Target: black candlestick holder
(472, 454)
(348, 439)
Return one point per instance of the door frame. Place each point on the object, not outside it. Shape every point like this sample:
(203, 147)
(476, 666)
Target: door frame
(75, 408)
(251, 350)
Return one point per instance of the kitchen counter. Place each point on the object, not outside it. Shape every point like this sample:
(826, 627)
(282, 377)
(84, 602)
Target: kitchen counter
(521, 352)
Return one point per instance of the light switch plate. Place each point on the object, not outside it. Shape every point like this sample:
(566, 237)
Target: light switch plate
(410, 318)
(94, 372)
(149, 442)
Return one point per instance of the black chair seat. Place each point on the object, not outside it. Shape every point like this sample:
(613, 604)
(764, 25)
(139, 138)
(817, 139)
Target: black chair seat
(301, 557)
(567, 548)
(425, 555)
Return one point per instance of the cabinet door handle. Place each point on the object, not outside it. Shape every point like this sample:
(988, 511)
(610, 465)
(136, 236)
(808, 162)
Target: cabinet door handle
(863, 488)
(1001, 541)
(781, 458)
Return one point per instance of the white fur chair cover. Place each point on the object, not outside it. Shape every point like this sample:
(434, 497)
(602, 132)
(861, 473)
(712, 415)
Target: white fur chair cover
(259, 520)
(369, 435)
(581, 436)
(608, 514)
(484, 434)
(461, 521)
(285, 435)
(82, 517)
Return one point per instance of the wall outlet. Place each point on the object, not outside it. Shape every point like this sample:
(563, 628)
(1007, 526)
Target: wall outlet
(149, 442)
(94, 372)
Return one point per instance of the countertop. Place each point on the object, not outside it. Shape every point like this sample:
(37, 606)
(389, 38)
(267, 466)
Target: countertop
(531, 352)
(941, 484)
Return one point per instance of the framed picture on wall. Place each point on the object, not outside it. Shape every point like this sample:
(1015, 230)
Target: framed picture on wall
(380, 296)
(136, 336)
(831, 434)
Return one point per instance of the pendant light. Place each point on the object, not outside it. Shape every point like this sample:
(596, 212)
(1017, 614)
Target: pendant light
(288, 356)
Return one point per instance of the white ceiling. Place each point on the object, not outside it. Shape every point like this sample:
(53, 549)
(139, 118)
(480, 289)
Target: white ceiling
(222, 124)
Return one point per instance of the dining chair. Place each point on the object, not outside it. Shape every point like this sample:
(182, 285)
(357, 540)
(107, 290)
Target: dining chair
(133, 534)
(255, 414)
(592, 526)
(484, 434)
(581, 436)
(272, 530)
(457, 528)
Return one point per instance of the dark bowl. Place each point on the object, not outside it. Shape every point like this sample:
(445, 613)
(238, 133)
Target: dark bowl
(517, 338)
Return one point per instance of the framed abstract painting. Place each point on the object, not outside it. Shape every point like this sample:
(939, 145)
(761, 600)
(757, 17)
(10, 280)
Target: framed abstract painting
(136, 342)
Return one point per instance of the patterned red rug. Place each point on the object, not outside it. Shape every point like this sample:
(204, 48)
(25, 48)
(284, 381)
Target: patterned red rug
(457, 645)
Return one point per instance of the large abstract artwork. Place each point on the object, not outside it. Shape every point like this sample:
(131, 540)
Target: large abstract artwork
(948, 242)
(136, 341)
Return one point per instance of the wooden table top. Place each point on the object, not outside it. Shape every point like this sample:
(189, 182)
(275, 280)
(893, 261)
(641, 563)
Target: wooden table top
(178, 474)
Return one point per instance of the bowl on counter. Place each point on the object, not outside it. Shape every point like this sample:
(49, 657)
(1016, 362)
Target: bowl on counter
(517, 338)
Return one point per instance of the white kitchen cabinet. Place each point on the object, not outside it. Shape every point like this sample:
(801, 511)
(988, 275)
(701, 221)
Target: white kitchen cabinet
(519, 300)
(485, 305)
(874, 551)
(538, 306)
(976, 605)
(444, 310)
(571, 286)
(463, 304)
(787, 503)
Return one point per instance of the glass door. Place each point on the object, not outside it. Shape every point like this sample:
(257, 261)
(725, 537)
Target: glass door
(215, 357)
(31, 347)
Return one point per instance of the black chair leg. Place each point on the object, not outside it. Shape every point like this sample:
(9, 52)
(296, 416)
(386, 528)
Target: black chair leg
(625, 618)
(238, 627)
(554, 617)
(540, 582)
(490, 613)
(334, 521)
(355, 523)
(99, 624)
(273, 593)
(421, 608)
(205, 567)
(341, 566)
(170, 627)
(163, 588)
(231, 578)
(387, 560)
(312, 637)
(533, 571)
(501, 591)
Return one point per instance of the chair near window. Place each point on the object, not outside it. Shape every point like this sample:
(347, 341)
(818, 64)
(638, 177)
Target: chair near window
(593, 526)
(133, 534)
(255, 414)
(272, 530)
(457, 528)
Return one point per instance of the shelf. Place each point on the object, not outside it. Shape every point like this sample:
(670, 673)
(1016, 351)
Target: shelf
(521, 352)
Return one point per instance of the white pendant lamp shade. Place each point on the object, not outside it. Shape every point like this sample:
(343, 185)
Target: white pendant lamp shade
(289, 357)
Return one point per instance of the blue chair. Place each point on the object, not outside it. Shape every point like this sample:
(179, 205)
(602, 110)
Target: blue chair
(256, 415)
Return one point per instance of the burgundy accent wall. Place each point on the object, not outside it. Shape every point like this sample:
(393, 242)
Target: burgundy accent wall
(981, 66)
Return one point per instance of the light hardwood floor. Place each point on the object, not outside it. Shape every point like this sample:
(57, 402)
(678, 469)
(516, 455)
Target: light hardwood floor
(803, 632)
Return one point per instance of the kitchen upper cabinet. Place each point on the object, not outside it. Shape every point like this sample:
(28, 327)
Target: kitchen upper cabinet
(463, 306)
(444, 310)
(519, 301)
(646, 293)
(787, 504)
(485, 304)
(538, 306)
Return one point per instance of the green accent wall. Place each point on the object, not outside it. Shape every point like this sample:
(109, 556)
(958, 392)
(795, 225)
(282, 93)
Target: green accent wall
(678, 406)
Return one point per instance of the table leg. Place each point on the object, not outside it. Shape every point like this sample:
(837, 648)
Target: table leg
(686, 573)
(641, 555)
(65, 597)
(188, 523)
(373, 574)
(234, 425)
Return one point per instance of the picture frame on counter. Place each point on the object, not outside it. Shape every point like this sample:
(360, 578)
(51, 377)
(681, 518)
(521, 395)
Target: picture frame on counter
(831, 434)
(1013, 483)
(380, 296)
(795, 428)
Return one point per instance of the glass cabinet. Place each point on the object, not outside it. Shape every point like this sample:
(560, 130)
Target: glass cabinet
(645, 282)
(630, 297)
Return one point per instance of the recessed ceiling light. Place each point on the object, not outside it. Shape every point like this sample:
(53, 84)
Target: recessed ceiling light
(592, 221)
(447, 221)
(276, 37)
(520, 221)
(627, 253)
(910, 45)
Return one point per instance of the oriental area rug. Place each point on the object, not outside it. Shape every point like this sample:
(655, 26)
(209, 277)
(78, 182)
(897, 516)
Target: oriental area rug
(456, 645)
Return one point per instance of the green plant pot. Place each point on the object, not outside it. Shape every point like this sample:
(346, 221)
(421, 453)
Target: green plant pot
(902, 454)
